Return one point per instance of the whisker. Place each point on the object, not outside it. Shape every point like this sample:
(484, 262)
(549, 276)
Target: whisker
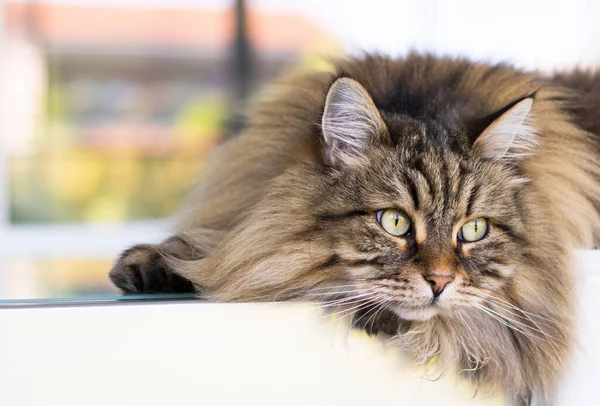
(374, 315)
(347, 311)
(373, 310)
(516, 307)
(533, 338)
(364, 303)
(549, 338)
(526, 317)
(338, 292)
(515, 321)
(371, 307)
(345, 300)
(501, 319)
(352, 285)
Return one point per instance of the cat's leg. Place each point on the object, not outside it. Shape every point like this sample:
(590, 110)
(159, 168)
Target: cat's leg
(143, 268)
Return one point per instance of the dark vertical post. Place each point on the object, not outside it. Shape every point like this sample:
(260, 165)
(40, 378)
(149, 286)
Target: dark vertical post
(241, 71)
(242, 53)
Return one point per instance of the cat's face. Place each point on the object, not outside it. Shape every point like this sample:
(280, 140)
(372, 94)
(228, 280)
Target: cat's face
(425, 231)
(418, 217)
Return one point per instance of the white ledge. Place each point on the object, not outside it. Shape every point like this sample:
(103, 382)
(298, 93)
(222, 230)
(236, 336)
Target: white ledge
(225, 354)
(209, 354)
(233, 354)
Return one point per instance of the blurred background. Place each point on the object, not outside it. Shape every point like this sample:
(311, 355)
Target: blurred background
(108, 107)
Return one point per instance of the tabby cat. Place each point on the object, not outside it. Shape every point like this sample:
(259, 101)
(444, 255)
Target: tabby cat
(437, 199)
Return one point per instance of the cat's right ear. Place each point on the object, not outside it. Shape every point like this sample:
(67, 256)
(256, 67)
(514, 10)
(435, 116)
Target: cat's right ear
(350, 124)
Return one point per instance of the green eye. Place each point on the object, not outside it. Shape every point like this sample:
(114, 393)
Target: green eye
(473, 230)
(393, 221)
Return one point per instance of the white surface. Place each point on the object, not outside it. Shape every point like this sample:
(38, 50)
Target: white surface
(230, 354)
(209, 354)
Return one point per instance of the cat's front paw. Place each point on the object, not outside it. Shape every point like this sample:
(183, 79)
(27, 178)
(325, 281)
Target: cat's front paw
(142, 269)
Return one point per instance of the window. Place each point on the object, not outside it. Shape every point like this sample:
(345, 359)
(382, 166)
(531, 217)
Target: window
(108, 108)
(108, 113)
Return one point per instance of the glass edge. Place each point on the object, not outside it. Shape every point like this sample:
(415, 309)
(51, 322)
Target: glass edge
(98, 300)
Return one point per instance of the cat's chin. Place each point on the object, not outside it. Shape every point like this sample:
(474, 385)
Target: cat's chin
(417, 313)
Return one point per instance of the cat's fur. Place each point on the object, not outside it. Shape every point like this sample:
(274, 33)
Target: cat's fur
(287, 210)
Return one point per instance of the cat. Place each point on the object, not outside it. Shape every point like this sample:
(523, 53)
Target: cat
(438, 199)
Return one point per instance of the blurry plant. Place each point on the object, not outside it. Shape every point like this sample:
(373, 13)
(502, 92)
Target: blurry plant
(94, 186)
(200, 119)
(69, 181)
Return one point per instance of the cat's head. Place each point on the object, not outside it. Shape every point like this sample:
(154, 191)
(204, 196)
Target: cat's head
(426, 218)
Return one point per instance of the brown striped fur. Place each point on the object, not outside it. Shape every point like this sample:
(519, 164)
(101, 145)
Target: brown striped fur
(271, 220)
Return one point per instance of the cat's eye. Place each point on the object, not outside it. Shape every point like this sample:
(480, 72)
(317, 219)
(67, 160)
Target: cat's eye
(473, 230)
(394, 222)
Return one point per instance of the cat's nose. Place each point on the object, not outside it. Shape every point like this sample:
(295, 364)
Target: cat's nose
(438, 282)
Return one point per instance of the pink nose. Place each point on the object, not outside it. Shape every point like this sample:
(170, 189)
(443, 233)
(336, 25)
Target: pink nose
(438, 282)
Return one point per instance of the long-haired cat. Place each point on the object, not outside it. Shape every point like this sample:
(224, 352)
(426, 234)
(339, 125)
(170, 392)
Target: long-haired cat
(438, 199)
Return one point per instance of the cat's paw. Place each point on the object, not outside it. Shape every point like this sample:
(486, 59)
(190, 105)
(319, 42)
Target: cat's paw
(142, 269)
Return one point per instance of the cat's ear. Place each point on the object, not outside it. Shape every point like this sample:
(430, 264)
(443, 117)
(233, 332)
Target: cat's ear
(351, 122)
(511, 136)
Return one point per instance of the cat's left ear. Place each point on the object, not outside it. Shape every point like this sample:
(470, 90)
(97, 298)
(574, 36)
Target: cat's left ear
(350, 124)
(511, 136)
